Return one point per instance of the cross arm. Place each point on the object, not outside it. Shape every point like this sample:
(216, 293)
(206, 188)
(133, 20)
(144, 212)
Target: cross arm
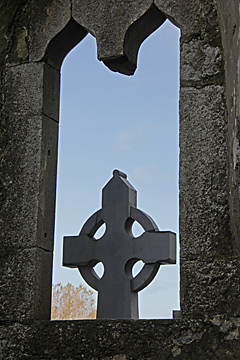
(155, 247)
(79, 250)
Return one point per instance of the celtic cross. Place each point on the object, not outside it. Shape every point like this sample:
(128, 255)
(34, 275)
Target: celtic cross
(118, 250)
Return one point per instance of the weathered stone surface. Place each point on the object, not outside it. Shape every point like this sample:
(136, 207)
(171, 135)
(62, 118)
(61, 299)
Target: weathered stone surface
(28, 90)
(193, 17)
(29, 151)
(25, 283)
(170, 8)
(23, 89)
(99, 18)
(63, 42)
(201, 63)
(215, 338)
(204, 208)
(47, 20)
(27, 207)
(118, 41)
(229, 17)
(14, 34)
(51, 92)
(201, 279)
(21, 155)
(47, 184)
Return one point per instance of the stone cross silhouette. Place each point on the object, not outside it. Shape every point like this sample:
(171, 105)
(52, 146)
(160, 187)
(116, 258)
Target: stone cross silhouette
(118, 250)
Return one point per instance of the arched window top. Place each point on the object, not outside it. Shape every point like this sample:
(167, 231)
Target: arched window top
(117, 51)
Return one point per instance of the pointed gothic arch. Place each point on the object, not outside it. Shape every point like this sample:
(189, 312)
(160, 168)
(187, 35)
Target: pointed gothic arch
(35, 104)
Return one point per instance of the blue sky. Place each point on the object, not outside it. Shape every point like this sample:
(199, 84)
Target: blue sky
(111, 121)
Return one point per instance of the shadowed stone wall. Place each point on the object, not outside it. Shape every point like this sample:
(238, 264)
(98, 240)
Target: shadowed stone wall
(35, 36)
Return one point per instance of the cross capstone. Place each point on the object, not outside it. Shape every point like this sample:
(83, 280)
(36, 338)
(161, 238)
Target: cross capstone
(119, 250)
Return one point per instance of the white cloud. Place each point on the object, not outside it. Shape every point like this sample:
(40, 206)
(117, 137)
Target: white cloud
(134, 137)
(125, 140)
(147, 173)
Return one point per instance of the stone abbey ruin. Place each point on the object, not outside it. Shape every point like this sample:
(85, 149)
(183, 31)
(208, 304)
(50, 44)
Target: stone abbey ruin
(35, 36)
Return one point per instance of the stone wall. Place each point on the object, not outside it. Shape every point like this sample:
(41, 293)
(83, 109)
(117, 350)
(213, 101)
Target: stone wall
(229, 20)
(122, 340)
(35, 36)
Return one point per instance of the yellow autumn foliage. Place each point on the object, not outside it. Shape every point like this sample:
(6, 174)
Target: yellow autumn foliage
(72, 303)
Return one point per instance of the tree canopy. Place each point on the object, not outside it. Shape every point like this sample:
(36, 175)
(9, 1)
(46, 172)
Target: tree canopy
(72, 303)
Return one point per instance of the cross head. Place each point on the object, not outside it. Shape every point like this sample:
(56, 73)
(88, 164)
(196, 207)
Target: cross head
(119, 250)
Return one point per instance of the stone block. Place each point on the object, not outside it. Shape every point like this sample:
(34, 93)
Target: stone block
(5, 16)
(99, 18)
(25, 284)
(47, 185)
(51, 92)
(170, 8)
(28, 175)
(210, 288)
(63, 42)
(191, 16)
(20, 173)
(118, 42)
(230, 24)
(205, 230)
(14, 32)
(121, 340)
(23, 89)
(32, 89)
(201, 63)
(48, 19)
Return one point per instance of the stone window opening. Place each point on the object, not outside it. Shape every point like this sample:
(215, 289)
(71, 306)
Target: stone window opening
(77, 222)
